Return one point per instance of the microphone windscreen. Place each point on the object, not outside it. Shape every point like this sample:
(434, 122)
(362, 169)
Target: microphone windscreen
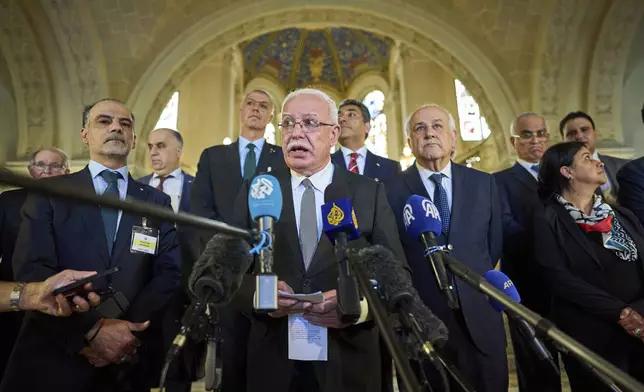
(335, 191)
(339, 216)
(265, 197)
(395, 285)
(219, 271)
(421, 216)
(502, 282)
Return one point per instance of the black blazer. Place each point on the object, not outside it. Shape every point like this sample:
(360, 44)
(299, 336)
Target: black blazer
(476, 236)
(582, 307)
(631, 189)
(353, 358)
(219, 177)
(57, 234)
(10, 204)
(518, 191)
(375, 167)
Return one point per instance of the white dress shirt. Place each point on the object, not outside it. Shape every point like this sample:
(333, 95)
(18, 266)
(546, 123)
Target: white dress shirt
(528, 166)
(320, 181)
(243, 151)
(100, 185)
(172, 186)
(446, 181)
(362, 157)
(607, 186)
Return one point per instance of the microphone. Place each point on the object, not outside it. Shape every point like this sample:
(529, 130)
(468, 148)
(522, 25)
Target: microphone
(423, 222)
(340, 225)
(503, 283)
(265, 206)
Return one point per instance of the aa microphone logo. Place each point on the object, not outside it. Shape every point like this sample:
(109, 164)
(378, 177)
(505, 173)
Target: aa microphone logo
(408, 215)
(430, 209)
(261, 188)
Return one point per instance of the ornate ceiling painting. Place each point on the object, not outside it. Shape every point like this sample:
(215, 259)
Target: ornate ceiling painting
(331, 57)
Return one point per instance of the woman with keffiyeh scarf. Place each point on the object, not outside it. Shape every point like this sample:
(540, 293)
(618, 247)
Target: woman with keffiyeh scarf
(590, 256)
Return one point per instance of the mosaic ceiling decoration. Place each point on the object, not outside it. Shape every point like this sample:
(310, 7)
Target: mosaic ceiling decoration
(300, 58)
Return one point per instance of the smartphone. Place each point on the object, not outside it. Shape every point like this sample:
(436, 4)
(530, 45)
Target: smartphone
(78, 286)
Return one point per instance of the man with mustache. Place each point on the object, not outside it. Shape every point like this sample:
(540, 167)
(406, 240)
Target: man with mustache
(220, 174)
(580, 127)
(355, 124)
(44, 163)
(518, 190)
(105, 348)
(470, 211)
(305, 263)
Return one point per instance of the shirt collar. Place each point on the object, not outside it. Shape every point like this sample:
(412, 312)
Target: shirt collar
(259, 144)
(527, 165)
(362, 151)
(320, 180)
(426, 173)
(96, 169)
(176, 173)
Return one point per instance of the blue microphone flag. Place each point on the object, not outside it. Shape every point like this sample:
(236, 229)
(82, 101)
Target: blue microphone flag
(339, 216)
(421, 216)
(265, 197)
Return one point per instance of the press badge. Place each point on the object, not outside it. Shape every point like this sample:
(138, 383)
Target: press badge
(144, 239)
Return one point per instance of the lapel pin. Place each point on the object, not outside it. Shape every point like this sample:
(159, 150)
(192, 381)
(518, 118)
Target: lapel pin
(272, 150)
(378, 164)
(376, 179)
(269, 169)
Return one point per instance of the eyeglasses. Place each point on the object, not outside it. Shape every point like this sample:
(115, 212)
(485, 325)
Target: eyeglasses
(309, 125)
(526, 135)
(52, 166)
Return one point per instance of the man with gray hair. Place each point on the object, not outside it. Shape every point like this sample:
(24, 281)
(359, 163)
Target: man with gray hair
(43, 163)
(518, 190)
(470, 211)
(305, 262)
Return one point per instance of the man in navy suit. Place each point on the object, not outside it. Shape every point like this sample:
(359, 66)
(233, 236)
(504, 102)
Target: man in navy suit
(220, 174)
(470, 210)
(631, 180)
(355, 123)
(98, 350)
(164, 150)
(518, 190)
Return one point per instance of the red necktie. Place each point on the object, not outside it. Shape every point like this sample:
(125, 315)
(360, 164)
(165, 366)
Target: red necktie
(603, 226)
(353, 163)
(161, 181)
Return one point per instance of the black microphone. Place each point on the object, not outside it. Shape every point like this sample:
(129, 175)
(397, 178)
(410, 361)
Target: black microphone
(422, 221)
(341, 226)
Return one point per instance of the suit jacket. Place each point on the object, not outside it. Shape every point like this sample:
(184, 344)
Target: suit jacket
(186, 189)
(518, 191)
(476, 236)
(57, 234)
(631, 189)
(612, 166)
(353, 352)
(375, 167)
(10, 204)
(219, 178)
(582, 306)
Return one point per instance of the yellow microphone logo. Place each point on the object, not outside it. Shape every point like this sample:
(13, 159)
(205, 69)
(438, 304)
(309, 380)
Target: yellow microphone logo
(335, 216)
(355, 220)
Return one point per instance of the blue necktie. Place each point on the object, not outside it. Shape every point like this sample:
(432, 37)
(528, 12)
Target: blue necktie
(110, 216)
(535, 168)
(440, 201)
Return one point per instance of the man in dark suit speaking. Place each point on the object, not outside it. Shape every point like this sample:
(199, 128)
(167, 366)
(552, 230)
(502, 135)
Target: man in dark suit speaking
(470, 212)
(97, 350)
(355, 123)
(304, 261)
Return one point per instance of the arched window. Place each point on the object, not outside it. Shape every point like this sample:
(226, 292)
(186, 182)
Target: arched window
(170, 115)
(473, 126)
(377, 140)
(269, 133)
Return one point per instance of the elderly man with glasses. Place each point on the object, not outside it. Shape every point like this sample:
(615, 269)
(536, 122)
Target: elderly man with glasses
(45, 162)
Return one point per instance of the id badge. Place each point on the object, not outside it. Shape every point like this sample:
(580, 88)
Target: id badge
(144, 239)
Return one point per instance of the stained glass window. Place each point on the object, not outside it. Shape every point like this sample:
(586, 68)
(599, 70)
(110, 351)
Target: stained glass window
(269, 133)
(170, 115)
(377, 140)
(473, 125)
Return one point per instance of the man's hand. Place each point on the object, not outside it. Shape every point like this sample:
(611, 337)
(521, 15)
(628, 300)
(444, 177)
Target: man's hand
(93, 357)
(632, 322)
(325, 314)
(39, 296)
(289, 305)
(115, 342)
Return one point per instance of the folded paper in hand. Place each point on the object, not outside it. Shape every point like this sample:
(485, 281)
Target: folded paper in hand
(314, 298)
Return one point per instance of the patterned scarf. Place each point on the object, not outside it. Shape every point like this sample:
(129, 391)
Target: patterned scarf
(603, 220)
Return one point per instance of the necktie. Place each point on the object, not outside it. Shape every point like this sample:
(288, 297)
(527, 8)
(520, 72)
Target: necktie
(353, 163)
(440, 201)
(110, 216)
(250, 163)
(308, 223)
(161, 181)
(535, 168)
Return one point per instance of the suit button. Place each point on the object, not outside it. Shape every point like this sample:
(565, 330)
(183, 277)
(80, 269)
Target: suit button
(306, 284)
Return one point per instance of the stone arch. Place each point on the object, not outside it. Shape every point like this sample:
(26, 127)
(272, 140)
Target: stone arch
(367, 82)
(421, 30)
